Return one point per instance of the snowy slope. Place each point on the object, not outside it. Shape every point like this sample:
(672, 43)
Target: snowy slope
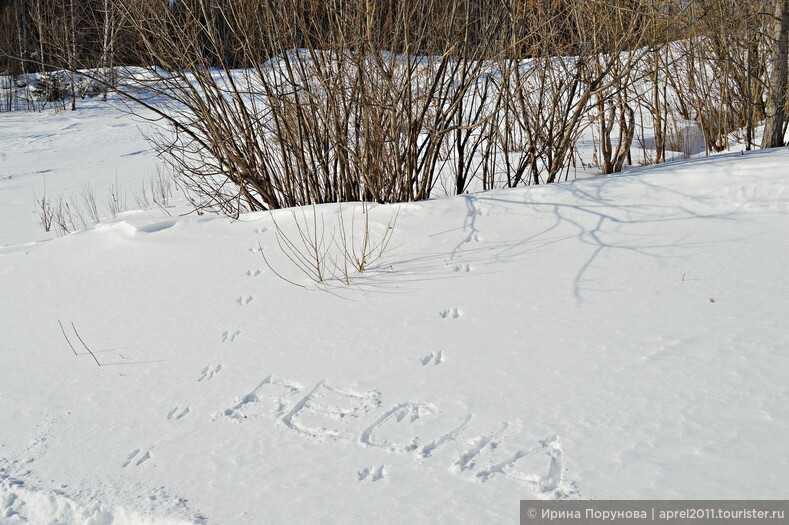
(65, 157)
(617, 337)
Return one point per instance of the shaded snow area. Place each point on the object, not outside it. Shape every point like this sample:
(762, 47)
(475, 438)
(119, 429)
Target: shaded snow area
(618, 337)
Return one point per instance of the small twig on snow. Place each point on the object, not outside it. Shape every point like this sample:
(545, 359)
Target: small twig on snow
(64, 335)
(275, 271)
(83, 344)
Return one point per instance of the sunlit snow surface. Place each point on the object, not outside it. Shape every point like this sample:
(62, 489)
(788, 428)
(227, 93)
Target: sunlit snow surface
(609, 338)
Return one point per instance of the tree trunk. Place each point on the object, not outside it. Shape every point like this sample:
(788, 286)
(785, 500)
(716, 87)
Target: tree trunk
(21, 35)
(41, 36)
(776, 100)
(105, 48)
(73, 55)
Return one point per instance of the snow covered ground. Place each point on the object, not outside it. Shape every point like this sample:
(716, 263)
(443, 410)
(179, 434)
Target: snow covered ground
(608, 338)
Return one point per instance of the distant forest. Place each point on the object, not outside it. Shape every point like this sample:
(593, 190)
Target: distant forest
(89, 33)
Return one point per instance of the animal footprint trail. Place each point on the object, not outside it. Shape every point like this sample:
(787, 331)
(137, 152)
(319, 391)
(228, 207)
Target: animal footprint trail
(129, 459)
(228, 337)
(371, 474)
(136, 458)
(433, 357)
(451, 313)
(145, 457)
(241, 301)
(208, 373)
(254, 273)
(463, 268)
(178, 412)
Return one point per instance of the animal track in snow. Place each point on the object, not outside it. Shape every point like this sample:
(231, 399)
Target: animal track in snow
(254, 273)
(371, 474)
(261, 230)
(178, 413)
(227, 337)
(145, 457)
(463, 268)
(451, 313)
(434, 357)
(132, 455)
(255, 250)
(241, 301)
(208, 373)
(136, 458)
(39, 443)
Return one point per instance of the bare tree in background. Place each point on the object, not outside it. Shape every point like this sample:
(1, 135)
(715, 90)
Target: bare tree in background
(775, 128)
(264, 104)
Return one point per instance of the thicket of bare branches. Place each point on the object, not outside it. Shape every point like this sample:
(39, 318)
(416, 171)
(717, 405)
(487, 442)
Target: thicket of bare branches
(266, 104)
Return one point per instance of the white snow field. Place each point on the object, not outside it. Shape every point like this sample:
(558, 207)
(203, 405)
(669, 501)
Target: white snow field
(608, 338)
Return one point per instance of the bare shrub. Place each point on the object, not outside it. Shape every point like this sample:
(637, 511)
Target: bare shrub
(79, 211)
(51, 87)
(116, 200)
(67, 216)
(337, 253)
(265, 105)
(308, 249)
(44, 210)
(359, 250)
(161, 185)
(89, 201)
(142, 196)
(154, 190)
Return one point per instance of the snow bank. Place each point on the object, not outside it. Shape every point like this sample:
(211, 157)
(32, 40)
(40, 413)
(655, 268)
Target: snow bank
(19, 504)
(616, 338)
